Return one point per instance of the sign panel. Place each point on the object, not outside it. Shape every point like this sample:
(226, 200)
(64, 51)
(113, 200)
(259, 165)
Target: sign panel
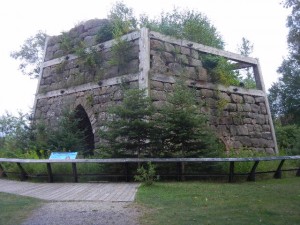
(63, 155)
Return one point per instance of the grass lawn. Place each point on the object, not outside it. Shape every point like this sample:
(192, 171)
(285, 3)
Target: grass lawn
(274, 201)
(14, 208)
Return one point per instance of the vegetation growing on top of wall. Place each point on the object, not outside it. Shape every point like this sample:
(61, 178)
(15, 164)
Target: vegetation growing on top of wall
(184, 24)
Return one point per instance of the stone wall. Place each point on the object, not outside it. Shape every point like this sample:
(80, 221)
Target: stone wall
(240, 117)
(71, 70)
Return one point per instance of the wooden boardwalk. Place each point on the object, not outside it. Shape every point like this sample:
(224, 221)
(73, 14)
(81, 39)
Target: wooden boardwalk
(107, 192)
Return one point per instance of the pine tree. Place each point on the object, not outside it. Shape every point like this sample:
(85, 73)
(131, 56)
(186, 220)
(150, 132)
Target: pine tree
(129, 129)
(184, 131)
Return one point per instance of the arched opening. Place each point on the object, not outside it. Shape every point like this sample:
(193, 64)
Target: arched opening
(85, 126)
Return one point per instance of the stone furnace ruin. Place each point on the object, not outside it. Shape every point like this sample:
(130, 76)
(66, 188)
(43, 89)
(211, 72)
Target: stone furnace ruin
(89, 82)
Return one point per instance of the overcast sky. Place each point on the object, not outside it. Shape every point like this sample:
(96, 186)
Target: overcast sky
(260, 21)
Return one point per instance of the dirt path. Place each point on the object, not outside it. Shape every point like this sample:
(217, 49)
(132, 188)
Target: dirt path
(85, 213)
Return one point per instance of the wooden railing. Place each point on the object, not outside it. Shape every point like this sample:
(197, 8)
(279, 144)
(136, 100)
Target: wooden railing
(251, 175)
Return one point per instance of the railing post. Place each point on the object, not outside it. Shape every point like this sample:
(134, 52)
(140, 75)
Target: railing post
(231, 172)
(2, 172)
(298, 172)
(74, 169)
(278, 172)
(251, 176)
(23, 175)
(50, 175)
(179, 171)
(126, 172)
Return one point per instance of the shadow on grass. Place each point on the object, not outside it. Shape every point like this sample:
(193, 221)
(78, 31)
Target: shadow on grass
(14, 209)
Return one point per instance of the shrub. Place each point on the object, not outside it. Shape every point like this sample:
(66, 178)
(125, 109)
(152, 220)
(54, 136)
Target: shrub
(146, 174)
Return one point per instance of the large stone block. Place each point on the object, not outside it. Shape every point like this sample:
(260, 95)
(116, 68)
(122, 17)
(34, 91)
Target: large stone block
(175, 68)
(157, 85)
(237, 98)
(158, 95)
(169, 47)
(157, 45)
(249, 99)
(242, 130)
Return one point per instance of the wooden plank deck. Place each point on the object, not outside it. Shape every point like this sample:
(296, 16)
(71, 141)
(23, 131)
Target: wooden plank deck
(108, 192)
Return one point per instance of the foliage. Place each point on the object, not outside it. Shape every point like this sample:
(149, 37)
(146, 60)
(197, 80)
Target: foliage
(14, 209)
(19, 140)
(123, 20)
(190, 25)
(183, 130)
(31, 54)
(66, 136)
(66, 43)
(128, 130)
(105, 33)
(246, 49)
(293, 23)
(14, 131)
(218, 203)
(288, 138)
(220, 70)
(121, 54)
(91, 59)
(284, 95)
(146, 174)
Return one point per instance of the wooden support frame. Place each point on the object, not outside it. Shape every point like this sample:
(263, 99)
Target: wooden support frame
(179, 171)
(231, 172)
(2, 172)
(23, 174)
(177, 162)
(126, 172)
(74, 170)
(298, 172)
(144, 58)
(278, 172)
(251, 176)
(49, 171)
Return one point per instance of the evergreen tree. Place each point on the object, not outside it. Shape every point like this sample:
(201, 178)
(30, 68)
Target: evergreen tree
(284, 95)
(184, 131)
(128, 130)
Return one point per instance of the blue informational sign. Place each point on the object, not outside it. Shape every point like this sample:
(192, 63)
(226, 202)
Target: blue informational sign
(63, 155)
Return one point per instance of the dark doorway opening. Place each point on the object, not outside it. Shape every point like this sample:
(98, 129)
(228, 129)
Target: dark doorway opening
(85, 126)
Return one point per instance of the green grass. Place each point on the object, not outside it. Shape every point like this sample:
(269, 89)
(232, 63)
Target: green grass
(15, 209)
(265, 202)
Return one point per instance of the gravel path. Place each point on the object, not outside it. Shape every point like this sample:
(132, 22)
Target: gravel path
(85, 213)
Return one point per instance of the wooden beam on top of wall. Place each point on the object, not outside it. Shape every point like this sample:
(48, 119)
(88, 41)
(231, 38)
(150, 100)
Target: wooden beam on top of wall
(205, 49)
(40, 77)
(239, 66)
(88, 86)
(231, 89)
(102, 46)
(260, 85)
(144, 57)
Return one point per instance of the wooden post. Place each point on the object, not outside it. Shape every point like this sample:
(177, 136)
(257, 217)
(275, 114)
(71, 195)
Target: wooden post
(126, 172)
(278, 172)
(23, 174)
(179, 171)
(182, 171)
(2, 172)
(251, 176)
(50, 175)
(144, 57)
(231, 172)
(74, 169)
(298, 172)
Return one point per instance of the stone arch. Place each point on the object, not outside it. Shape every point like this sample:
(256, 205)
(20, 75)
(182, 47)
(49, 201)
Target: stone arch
(84, 124)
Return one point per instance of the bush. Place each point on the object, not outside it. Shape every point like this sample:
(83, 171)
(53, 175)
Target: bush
(146, 174)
